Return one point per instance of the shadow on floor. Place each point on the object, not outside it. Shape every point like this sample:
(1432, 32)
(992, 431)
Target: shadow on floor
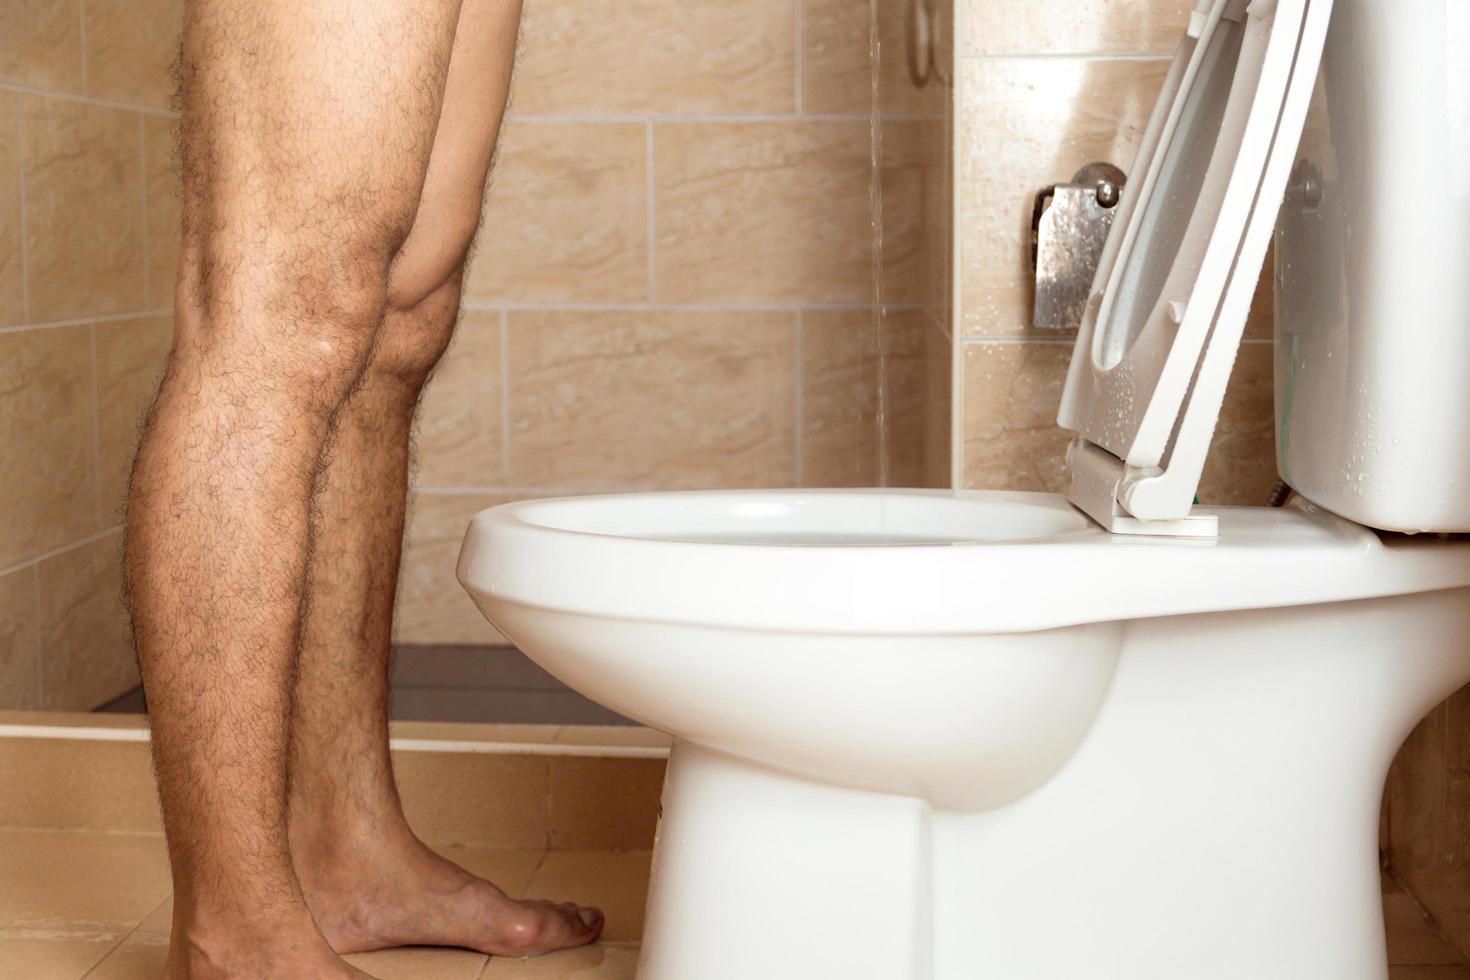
(486, 685)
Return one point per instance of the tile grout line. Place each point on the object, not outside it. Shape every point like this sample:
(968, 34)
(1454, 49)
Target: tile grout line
(548, 762)
(623, 307)
(86, 99)
(125, 937)
(979, 341)
(143, 199)
(576, 119)
(63, 549)
(39, 645)
(96, 420)
(1068, 56)
(8, 830)
(83, 321)
(482, 490)
(397, 743)
(800, 407)
(800, 57)
(504, 396)
(25, 263)
(82, 41)
(955, 131)
(655, 117)
(651, 190)
(995, 339)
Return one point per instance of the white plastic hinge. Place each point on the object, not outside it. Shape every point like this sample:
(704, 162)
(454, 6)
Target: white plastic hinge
(1097, 478)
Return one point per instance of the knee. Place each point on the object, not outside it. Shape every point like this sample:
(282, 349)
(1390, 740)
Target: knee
(412, 341)
(299, 308)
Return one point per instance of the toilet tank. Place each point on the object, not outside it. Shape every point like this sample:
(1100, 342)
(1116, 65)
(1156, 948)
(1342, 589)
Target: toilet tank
(1373, 273)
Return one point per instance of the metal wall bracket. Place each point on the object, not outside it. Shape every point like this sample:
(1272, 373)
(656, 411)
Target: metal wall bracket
(1069, 226)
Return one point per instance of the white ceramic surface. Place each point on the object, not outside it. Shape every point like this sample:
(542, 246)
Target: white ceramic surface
(1372, 253)
(1001, 743)
(943, 736)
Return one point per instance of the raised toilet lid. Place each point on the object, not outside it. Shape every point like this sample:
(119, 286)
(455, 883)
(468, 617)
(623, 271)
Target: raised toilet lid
(1174, 285)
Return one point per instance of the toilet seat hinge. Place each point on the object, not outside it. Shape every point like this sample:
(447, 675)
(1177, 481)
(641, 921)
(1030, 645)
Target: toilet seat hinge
(1098, 478)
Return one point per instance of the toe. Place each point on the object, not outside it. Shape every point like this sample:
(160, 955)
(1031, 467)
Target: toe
(590, 918)
(542, 927)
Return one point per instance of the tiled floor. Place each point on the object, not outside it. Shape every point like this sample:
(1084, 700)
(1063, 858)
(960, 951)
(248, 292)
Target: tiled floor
(484, 685)
(96, 905)
(1415, 949)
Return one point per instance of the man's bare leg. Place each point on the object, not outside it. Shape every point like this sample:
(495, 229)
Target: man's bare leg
(307, 130)
(369, 881)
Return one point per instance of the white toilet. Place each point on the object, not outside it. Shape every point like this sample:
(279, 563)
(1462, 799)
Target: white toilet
(963, 736)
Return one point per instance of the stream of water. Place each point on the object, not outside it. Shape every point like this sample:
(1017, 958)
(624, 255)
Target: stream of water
(880, 312)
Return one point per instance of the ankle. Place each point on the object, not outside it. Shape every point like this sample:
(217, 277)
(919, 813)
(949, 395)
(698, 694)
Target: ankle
(226, 941)
(343, 857)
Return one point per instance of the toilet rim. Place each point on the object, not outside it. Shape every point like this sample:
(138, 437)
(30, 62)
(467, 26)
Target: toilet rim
(1264, 558)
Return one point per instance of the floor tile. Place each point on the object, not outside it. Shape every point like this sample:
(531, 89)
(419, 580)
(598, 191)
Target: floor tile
(95, 885)
(510, 870)
(600, 804)
(69, 897)
(1412, 940)
(49, 959)
(615, 883)
(78, 784)
(160, 920)
(599, 962)
(140, 957)
(487, 799)
(420, 963)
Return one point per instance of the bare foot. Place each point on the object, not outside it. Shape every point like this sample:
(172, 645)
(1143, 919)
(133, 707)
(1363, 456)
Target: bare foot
(386, 894)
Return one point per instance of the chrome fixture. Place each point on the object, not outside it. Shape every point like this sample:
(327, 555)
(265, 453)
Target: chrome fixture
(1069, 225)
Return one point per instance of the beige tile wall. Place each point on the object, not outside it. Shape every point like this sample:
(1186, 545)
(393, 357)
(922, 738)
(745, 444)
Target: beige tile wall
(88, 222)
(679, 280)
(697, 252)
(1045, 87)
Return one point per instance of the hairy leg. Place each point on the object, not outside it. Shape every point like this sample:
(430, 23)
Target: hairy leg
(370, 882)
(307, 130)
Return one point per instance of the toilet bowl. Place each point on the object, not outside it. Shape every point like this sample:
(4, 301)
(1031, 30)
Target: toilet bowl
(925, 734)
(936, 735)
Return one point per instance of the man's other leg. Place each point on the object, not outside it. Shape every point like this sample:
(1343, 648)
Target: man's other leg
(370, 882)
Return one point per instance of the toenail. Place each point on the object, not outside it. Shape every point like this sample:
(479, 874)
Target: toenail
(589, 917)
